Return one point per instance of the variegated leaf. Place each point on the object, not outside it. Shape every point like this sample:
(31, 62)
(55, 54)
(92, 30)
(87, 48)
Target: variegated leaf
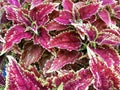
(64, 57)
(109, 37)
(35, 3)
(14, 35)
(67, 5)
(31, 54)
(53, 25)
(82, 82)
(108, 2)
(66, 40)
(105, 16)
(88, 10)
(19, 79)
(40, 12)
(64, 18)
(106, 78)
(14, 2)
(42, 38)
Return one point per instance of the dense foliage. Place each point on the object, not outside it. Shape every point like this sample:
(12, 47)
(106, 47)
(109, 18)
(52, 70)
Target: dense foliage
(59, 45)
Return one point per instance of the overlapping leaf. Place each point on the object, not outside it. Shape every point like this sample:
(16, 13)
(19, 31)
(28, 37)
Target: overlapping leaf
(88, 10)
(14, 2)
(82, 82)
(18, 79)
(14, 35)
(108, 2)
(31, 54)
(40, 12)
(105, 77)
(64, 57)
(66, 40)
(67, 5)
(109, 37)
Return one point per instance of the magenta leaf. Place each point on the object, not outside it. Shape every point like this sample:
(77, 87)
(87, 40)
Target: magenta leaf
(88, 10)
(106, 78)
(53, 25)
(67, 5)
(66, 40)
(63, 57)
(14, 2)
(109, 37)
(16, 15)
(110, 57)
(105, 16)
(108, 2)
(64, 78)
(117, 8)
(23, 80)
(82, 82)
(64, 18)
(40, 12)
(42, 38)
(31, 54)
(35, 3)
(14, 35)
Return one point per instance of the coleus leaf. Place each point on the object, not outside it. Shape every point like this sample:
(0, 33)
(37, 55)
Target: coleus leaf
(105, 78)
(66, 40)
(14, 2)
(41, 11)
(109, 37)
(17, 15)
(42, 38)
(14, 35)
(64, 57)
(88, 10)
(31, 54)
(53, 25)
(82, 82)
(108, 2)
(105, 16)
(67, 5)
(19, 79)
(35, 3)
(110, 57)
(64, 78)
(64, 18)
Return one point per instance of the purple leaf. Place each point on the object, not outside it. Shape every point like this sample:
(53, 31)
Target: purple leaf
(42, 38)
(63, 57)
(66, 40)
(117, 8)
(105, 16)
(67, 5)
(53, 25)
(88, 10)
(108, 2)
(64, 18)
(19, 79)
(40, 12)
(14, 2)
(82, 82)
(14, 35)
(31, 54)
(105, 78)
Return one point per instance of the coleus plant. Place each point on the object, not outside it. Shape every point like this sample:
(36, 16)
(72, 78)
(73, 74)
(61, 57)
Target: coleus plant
(60, 45)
